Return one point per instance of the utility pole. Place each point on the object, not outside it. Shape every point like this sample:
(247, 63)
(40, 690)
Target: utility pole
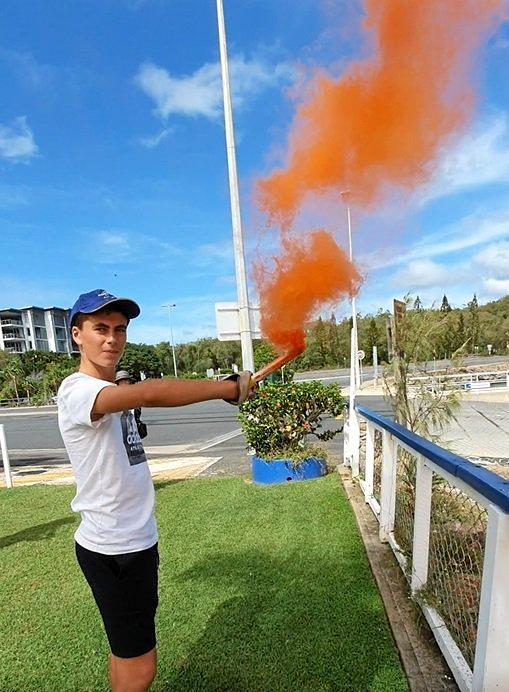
(246, 341)
(172, 343)
(355, 379)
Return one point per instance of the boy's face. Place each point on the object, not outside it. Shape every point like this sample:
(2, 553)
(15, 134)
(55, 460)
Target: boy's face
(101, 337)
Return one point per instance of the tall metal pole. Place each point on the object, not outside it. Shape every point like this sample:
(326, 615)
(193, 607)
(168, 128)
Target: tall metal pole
(355, 380)
(170, 306)
(238, 245)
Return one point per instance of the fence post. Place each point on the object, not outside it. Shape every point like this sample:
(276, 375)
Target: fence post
(354, 434)
(388, 489)
(5, 457)
(346, 441)
(370, 461)
(491, 665)
(422, 520)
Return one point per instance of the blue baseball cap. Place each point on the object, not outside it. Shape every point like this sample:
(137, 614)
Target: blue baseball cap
(99, 299)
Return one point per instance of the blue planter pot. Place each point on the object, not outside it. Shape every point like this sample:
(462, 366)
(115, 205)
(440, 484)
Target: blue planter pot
(284, 471)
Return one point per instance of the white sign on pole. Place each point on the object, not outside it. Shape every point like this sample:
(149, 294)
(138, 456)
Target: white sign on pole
(361, 354)
(228, 323)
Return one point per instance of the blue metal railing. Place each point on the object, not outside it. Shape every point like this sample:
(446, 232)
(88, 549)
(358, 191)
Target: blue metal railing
(485, 482)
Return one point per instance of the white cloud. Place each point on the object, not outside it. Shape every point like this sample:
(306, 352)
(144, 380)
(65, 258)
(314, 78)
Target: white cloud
(468, 233)
(17, 141)
(493, 262)
(495, 259)
(155, 140)
(27, 69)
(426, 273)
(112, 247)
(200, 94)
(212, 253)
(192, 318)
(481, 157)
(496, 287)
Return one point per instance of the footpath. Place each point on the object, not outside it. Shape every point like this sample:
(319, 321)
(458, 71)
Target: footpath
(480, 430)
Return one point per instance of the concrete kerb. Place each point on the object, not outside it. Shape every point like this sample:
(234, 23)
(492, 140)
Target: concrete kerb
(422, 661)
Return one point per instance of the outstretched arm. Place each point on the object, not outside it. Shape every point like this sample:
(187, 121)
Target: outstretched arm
(152, 393)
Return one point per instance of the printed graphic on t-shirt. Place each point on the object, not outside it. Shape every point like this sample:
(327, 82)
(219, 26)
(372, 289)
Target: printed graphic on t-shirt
(132, 440)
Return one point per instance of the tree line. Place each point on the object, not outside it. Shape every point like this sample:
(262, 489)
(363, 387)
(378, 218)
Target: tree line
(36, 375)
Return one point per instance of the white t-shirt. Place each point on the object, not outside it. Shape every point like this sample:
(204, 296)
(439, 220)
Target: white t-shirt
(115, 493)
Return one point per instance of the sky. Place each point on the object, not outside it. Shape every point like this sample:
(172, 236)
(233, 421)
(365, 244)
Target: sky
(113, 168)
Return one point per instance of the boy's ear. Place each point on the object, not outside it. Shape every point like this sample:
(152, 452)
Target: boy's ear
(75, 334)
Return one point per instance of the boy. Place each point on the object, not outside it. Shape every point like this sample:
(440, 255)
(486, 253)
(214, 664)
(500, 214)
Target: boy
(116, 542)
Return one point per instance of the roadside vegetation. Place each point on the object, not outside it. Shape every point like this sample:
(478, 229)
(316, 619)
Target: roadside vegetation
(36, 376)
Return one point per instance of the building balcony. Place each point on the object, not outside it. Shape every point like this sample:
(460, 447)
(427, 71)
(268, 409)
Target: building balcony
(15, 348)
(11, 322)
(10, 336)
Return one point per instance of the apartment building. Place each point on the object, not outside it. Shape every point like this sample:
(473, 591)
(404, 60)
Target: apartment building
(34, 328)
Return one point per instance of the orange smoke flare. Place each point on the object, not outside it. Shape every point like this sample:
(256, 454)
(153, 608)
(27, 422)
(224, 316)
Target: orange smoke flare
(275, 365)
(307, 276)
(383, 123)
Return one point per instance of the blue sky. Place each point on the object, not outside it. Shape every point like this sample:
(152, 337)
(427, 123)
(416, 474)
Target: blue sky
(113, 167)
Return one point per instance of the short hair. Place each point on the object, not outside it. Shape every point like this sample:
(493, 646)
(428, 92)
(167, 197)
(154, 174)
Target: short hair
(107, 310)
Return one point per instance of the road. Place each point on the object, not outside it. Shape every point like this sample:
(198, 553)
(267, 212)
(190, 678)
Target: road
(37, 429)
(33, 436)
(342, 375)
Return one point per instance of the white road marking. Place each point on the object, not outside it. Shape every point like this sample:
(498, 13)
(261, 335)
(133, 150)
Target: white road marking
(320, 379)
(200, 447)
(153, 449)
(22, 412)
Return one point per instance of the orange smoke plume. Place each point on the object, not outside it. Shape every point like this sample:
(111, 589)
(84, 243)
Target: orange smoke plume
(381, 125)
(384, 121)
(307, 275)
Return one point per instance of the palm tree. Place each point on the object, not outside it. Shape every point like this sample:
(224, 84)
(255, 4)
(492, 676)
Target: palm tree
(13, 376)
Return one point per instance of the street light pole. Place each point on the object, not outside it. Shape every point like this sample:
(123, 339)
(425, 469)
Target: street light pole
(238, 245)
(355, 380)
(172, 343)
(352, 457)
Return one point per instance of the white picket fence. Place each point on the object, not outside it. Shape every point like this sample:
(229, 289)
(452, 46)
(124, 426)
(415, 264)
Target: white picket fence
(447, 521)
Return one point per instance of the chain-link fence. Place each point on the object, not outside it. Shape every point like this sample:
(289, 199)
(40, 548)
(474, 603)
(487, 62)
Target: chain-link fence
(405, 503)
(456, 551)
(377, 466)
(456, 556)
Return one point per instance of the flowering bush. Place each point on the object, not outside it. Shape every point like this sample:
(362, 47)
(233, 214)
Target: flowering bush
(278, 419)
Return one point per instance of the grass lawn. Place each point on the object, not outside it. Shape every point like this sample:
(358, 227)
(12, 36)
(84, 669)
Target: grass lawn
(260, 589)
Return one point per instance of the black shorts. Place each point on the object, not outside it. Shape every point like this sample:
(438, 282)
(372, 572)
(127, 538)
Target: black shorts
(125, 590)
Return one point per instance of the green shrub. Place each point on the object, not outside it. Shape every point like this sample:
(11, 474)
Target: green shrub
(279, 418)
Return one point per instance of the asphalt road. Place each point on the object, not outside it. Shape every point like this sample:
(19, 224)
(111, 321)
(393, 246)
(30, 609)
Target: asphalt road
(33, 435)
(38, 429)
(209, 428)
